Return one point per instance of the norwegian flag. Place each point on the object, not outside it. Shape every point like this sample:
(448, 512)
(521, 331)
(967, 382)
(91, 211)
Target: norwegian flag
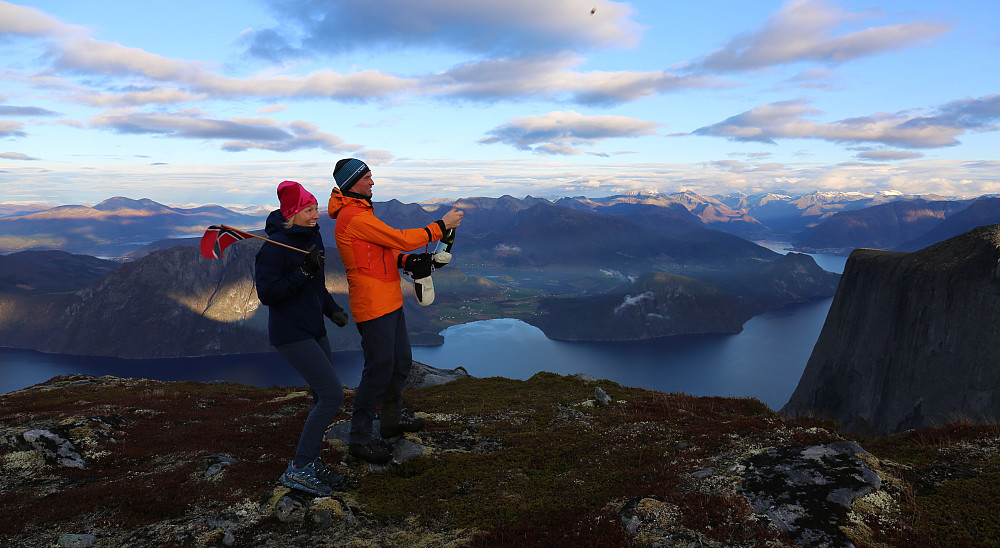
(224, 235)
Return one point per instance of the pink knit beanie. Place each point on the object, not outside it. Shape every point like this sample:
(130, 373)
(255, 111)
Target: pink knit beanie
(293, 198)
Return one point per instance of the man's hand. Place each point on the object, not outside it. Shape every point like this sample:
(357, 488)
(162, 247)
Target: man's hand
(453, 218)
(339, 317)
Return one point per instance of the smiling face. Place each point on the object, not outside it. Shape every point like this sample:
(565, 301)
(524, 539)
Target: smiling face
(307, 217)
(364, 185)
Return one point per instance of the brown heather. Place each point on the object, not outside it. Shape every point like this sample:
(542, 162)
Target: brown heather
(509, 463)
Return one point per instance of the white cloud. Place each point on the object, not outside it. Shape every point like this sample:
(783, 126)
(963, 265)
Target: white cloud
(565, 132)
(494, 28)
(10, 128)
(630, 300)
(787, 120)
(240, 133)
(804, 30)
(527, 74)
(16, 156)
(25, 21)
(889, 155)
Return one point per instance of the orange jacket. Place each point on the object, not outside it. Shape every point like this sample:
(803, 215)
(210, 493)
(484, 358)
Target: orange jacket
(370, 250)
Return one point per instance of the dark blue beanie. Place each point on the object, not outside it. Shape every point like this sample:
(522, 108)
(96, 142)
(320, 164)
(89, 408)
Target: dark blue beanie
(348, 171)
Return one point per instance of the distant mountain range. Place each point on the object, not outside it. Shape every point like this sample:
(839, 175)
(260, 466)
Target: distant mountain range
(573, 272)
(112, 228)
(827, 221)
(625, 267)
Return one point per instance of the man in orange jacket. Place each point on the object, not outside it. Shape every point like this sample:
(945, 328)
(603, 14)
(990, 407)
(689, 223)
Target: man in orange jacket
(373, 252)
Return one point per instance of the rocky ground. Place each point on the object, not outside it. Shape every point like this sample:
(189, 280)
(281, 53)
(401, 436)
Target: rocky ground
(551, 461)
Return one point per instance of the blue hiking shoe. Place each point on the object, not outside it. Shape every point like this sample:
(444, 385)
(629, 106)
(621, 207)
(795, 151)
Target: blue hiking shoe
(305, 479)
(325, 475)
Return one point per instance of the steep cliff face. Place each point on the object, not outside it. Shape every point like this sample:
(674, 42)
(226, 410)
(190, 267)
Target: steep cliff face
(910, 340)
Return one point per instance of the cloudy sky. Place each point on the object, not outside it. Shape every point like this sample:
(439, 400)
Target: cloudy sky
(217, 102)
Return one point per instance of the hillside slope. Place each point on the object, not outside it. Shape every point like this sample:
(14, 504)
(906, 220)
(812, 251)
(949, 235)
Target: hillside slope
(550, 461)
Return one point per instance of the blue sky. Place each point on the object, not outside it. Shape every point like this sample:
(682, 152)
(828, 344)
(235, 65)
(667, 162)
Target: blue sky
(217, 102)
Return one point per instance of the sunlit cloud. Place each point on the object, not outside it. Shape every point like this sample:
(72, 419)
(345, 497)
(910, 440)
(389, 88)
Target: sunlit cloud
(805, 30)
(553, 77)
(8, 110)
(9, 128)
(512, 27)
(526, 75)
(239, 133)
(889, 155)
(788, 120)
(565, 132)
(16, 156)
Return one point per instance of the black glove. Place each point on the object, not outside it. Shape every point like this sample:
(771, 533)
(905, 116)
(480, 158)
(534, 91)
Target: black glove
(313, 261)
(419, 265)
(339, 317)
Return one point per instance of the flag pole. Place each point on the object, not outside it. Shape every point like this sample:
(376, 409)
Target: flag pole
(249, 235)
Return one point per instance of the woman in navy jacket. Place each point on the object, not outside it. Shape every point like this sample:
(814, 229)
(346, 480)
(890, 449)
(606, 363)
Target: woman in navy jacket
(292, 285)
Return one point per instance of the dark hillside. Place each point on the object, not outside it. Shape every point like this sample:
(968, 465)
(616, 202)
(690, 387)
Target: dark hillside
(50, 271)
(982, 212)
(550, 461)
(880, 227)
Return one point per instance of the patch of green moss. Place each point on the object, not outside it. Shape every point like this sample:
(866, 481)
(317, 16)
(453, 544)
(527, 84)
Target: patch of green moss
(962, 512)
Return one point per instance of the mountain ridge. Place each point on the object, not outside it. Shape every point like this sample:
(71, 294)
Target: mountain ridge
(910, 339)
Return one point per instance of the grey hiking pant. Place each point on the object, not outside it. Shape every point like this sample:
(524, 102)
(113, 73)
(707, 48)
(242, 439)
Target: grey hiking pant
(314, 361)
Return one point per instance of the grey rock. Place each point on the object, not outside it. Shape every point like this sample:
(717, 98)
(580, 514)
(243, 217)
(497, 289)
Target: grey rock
(404, 449)
(910, 339)
(806, 491)
(227, 523)
(601, 396)
(218, 463)
(701, 474)
(342, 431)
(423, 375)
(76, 541)
(290, 510)
(55, 449)
(323, 519)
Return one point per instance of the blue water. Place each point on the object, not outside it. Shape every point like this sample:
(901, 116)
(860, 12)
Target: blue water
(765, 361)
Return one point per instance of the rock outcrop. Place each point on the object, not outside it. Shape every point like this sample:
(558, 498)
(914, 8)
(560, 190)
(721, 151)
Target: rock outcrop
(910, 339)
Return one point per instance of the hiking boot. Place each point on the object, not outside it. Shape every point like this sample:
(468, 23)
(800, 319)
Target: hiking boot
(405, 424)
(375, 451)
(305, 479)
(325, 475)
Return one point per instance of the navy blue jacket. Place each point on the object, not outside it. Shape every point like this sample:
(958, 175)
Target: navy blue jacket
(296, 303)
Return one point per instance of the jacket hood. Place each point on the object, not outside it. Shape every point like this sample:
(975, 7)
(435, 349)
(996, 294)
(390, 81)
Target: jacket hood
(338, 201)
(275, 224)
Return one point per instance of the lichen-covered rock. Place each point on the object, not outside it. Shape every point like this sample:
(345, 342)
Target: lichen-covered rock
(54, 448)
(807, 491)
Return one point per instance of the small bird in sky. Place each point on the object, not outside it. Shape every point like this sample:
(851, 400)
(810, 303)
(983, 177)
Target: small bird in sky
(593, 11)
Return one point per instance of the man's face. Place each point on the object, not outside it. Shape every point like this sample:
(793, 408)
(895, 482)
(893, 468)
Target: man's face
(364, 185)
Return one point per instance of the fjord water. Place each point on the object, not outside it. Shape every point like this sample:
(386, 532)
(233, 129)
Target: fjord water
(765, 361)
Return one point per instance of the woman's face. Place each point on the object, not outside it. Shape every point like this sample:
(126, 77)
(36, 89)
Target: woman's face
(307, 217)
